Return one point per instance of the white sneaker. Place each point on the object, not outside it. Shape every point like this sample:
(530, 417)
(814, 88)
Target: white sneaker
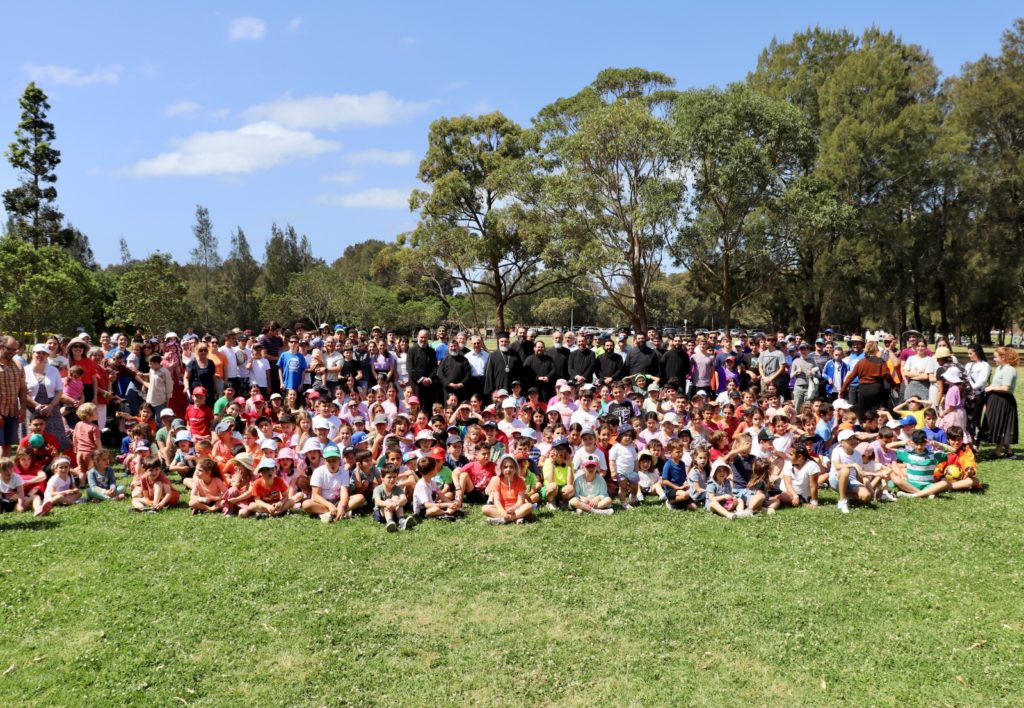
(639, 497)
(626, 506)
(402, 523)
(520, 522)
(551, 506)
(844, 506)
(886, 497)
(603, 512)
(907, 495)
(769, 510)
(327, 517)
(579, 512)
(495, 522)
(668, 504)
(662, 495)
(746, 513)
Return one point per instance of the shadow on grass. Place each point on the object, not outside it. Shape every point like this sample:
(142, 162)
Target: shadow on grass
(31, 524)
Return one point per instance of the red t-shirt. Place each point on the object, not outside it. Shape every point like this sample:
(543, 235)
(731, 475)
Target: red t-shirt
(269, 493)
(199, 419)
(480, 474)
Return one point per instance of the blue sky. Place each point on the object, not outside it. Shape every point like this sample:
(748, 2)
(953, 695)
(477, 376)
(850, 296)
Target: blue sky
(316, 114)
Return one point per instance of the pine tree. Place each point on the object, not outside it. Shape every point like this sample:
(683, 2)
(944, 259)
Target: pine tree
(30, 205)
(204, 261)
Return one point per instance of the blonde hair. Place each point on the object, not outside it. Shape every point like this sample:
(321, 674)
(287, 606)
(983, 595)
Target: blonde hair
(871, 348)
(86, 411)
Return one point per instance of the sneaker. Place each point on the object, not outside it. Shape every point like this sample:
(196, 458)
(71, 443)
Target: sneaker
(150, 510)
(392, 527)
(906, 495)
(745, 514)
(662, 496)
(668, 504)
(261, 515)
(520, 522)
(495, 522)
(327, 517)
(579, 512)
(411, 522)
(769, 510)
(844, 506)
(626, 506)
(603, 512)
(448, 517)
(931, 496)
(551, 506)
(403, 523)
(639, 497)
(44, 509)
(885, 497)
(348, 514)
(730, 516)
(195, 512)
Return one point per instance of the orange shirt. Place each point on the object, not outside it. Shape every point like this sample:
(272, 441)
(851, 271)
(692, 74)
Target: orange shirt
(508, 494)
(269, 493)
(218, 364)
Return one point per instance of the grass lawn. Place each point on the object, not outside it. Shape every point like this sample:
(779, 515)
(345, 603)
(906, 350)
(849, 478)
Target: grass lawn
(918, 602)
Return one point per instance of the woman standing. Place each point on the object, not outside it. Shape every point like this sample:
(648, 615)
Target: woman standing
(1000, 424)
(384, 364)
(918, 371)
(978, 371)
(46, 388)
(201, 371)
(401, 367)
(875, 381)
(172, 362)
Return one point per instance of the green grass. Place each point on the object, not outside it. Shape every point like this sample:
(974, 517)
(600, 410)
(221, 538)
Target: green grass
(918, 602)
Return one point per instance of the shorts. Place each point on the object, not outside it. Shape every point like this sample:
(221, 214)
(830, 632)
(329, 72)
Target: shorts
(631, 477)
(475, 497)
(701, 498)
(833, 481)
(7, 505)
(743, 494)
(378, 515)
(10, 431)
(420, 513)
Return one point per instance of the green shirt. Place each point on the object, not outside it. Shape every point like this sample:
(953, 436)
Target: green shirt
(220, 405)
(380, 493)
(920, 466)
(444, 476)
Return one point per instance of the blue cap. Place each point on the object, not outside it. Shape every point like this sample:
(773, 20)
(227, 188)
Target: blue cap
(559, 442)
(828, 330)
(358, 437)
(623, 429)
(908, 420)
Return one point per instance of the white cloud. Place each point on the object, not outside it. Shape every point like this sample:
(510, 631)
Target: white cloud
(374, 198)
(246, 29)
(294, 23)
(346, 177)
(182, 108)
(220, 113)
(67, 76)
(251, 148)
(380, 157)
(337, 111)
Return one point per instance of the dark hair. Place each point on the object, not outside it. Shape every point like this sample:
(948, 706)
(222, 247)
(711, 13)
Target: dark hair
(955, 432)
(919, 437)
(801, 449)
(978, 350)
(388, 469)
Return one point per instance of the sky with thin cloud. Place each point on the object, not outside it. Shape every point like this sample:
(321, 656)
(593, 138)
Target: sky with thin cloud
(316, 114)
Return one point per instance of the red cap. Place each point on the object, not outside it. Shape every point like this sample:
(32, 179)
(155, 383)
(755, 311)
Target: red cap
(199, 391)
(312, 393)
(437, 453)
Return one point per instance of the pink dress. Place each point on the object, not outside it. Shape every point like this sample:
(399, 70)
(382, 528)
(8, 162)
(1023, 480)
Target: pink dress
(958, 415)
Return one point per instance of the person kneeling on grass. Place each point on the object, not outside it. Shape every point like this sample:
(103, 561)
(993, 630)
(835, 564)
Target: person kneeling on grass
(558, 486)
(720, 498)
(329, 485)
(842, 475)
(389, 502)
(269, 492)
(102, 484)
(61, 488)
(151, 490)
(507, 495)
(208, 488)
(590, 489)
(427, 499)
(12, 488)
(673, 478)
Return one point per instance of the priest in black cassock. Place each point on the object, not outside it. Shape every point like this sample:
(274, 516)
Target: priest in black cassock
(503, 367)
(421, 362)
(453, 374)
(539, 370)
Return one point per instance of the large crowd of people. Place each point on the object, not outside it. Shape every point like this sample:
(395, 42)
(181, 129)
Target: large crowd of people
(334, 422)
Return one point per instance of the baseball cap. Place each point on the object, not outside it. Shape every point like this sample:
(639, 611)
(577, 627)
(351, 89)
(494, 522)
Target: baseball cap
(413, 399)
(321, 425)
(765, 435)
(590, 461)
(380, 419)
(529, 433)
(268, 444)
(332, 451)
(841, 404)
(508, 403)
(846, 435)
(500, 392)
(267, 463)
(587, 431)
(183, 436)
(490, 424)
(358, 437)
(626, 429)
(436, 453)
(453, 440)
(561, 442)
(199, 391)
(908, 420)
(167, 413)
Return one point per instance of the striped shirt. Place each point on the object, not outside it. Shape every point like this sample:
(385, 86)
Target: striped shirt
(920, 466)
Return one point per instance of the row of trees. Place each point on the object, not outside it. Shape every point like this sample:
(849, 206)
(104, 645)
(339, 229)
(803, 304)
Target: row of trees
(840, 182)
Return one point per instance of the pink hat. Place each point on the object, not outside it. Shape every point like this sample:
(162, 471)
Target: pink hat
(286, 453)
(413, 399)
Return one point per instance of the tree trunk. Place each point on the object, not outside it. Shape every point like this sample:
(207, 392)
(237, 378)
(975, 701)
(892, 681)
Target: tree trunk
(726, 300)
(499, 316)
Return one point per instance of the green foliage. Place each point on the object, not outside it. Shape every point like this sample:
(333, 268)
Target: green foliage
(240, 274)
(607, 181)
(286, 253)
(33, 279)
(151, 294)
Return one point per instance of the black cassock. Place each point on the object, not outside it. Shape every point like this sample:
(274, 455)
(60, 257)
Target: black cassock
(501, 371)
(455, 368)
(535, 366)
(422, 363)
(560, 356)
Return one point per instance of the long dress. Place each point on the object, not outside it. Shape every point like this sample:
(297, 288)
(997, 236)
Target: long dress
(1000, 423)
(958, 415)
(55, 424)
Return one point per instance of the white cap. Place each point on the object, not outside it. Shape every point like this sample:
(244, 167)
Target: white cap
(671, 418)
(268, 444)
(501, 392)
(719, 463)
(529, 433)
(841, 404)
(267, 463)
(952, 375)
(508, 403)
(183, 436)
(894, 424)
(312, 444)
(846, 435)
(170, 335)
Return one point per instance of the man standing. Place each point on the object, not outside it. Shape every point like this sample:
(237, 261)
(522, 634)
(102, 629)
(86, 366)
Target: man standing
(421, 362)
(819, 357)
(642, 359)
(227, 353)
(523, 346)
(806, 375)
(772, 365)
(610, 366)
(503, 367)
(856, 354)
(477, 358)
(13, 395)
(272, 345)
(675, 363)
(291, 365)
(539, 369)
(560, 356)
(441, 345)
(453, 373)
(582, 362)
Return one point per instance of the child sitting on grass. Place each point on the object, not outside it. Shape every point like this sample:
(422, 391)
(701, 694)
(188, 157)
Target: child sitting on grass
(720, 498)
(507, 495)
(269, 492)
(590, 491)
(389, 501)
(61, 488)
(12, 495)
(558, 482)
(239, 493)
(427, 502)
(208, 488)
(151, 490)
(102, 484)
(673, 478)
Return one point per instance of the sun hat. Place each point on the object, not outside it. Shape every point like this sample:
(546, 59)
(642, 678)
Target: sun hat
(310, 445)
(182, 436)
(286, 453)
(244, 459)
(846, 435)
(952, 375)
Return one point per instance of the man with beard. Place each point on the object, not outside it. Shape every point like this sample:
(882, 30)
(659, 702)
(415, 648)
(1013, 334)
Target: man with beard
(675, 362)
(523, 346)
(421, 363)
(610, 366)
(642, 359)
(503, 367)
(539, 369)
(453, 373)
(582, 362)
(477, 358)
(560, 356)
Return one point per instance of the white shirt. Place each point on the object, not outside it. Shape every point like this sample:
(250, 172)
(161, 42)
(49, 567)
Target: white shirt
(330, 485)
(801, 477)
(624, 457)
(424, 493)
(260, 367)
(477, 362)
(582, 454)
(978, 373)
(333, 421)
(51, 380)
(584, 418)
(230, 362)
(245, 356)
(14, 485)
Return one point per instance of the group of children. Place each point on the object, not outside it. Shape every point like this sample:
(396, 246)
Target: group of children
(734, 460)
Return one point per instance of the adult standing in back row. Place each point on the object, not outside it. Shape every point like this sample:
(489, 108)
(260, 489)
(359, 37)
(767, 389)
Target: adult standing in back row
(422, 365)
